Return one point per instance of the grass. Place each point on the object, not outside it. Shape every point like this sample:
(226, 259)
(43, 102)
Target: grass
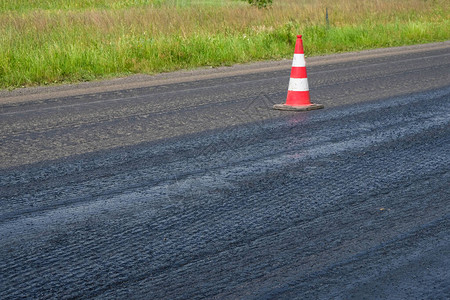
(52, 41)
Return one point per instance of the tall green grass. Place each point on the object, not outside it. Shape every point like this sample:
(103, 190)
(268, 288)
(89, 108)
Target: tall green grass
(50, 41)
(27, 5)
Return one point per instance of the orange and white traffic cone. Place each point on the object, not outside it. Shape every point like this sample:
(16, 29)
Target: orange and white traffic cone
(298, 92)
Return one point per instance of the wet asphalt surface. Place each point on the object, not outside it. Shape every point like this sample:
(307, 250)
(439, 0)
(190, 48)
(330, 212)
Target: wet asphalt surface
(200, 190)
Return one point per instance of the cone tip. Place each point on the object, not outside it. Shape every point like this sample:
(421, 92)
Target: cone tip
(299, 36)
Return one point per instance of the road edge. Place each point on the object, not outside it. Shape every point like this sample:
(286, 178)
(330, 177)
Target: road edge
(141, 81)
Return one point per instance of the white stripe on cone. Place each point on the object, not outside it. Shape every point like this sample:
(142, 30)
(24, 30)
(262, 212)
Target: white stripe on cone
(298, 85)
(299, 60)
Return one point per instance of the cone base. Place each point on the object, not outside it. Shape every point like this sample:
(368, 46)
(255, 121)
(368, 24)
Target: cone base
(312, 106)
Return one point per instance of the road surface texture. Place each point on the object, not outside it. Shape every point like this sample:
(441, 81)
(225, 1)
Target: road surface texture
(189, 186)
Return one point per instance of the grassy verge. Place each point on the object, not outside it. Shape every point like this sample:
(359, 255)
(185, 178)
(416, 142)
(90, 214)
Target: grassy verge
(51, 41)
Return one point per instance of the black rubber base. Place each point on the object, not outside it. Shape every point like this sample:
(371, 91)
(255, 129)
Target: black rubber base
(298, 108)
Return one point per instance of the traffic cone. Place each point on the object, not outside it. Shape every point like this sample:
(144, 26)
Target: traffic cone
(298, 91)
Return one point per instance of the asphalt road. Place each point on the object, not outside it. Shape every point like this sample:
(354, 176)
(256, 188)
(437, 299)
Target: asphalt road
(190, 186)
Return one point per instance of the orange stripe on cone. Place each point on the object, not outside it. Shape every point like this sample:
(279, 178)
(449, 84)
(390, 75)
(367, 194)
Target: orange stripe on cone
(298, 92)
(299, 45)
(296, 98)
(298, 72)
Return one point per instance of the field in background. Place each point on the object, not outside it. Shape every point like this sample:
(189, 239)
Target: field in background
(51, 41)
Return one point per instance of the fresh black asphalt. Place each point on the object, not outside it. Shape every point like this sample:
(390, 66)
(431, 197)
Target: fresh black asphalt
(200, 190)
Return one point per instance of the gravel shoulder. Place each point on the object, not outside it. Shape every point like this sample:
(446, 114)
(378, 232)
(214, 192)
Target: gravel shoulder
(141, 80)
